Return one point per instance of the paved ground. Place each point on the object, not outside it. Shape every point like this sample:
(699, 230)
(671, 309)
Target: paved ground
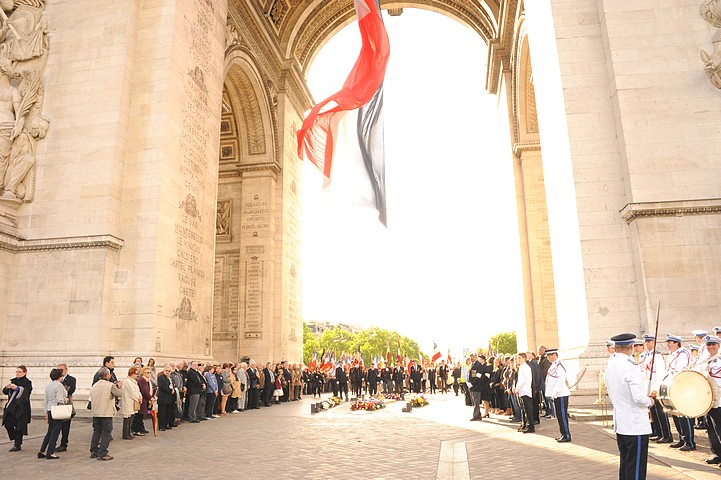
(288, 442)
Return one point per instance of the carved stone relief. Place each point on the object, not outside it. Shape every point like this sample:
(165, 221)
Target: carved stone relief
(23, 55)
(711, 12)
(222, 219)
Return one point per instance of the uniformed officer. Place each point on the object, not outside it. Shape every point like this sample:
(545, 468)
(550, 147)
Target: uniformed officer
(659, 419)
(630, 409)
(557, 389)
(678, 360)
(638, 351)
(610, 348)
(713, 420)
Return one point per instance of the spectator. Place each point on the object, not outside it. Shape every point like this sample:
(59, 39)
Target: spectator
(104, 394)
(130, 401)
(55, 394)
(16, 415)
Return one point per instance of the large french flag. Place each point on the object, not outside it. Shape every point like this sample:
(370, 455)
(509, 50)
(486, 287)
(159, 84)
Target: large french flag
(353, 117)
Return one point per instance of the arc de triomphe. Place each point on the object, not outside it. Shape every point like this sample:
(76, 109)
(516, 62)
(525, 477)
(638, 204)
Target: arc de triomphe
(152, 201)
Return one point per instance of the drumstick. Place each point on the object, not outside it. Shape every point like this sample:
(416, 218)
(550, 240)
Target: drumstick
(655, 339)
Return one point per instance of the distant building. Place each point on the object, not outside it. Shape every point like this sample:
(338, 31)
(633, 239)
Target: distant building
(318, 327)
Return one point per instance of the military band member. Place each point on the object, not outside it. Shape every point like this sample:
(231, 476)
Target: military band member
(703, 354)
(659, 420)
(678, 360)
(610, 348)
(557, 389)
(713, 420)
(630, 409)
(638, 351)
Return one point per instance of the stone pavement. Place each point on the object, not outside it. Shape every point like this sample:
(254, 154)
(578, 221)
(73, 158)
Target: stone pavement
(288, 442)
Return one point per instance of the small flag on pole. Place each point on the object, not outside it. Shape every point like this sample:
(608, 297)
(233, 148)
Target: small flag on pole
(436, 353)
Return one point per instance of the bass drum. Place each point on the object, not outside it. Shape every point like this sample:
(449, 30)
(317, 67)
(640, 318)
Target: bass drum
(686, 394)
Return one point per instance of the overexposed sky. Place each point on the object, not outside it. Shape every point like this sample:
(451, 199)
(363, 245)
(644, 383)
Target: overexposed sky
(447, 268)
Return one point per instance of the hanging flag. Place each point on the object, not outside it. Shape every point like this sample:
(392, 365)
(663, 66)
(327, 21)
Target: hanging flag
(436, 353)
(363, 87)
(450, 360)
(398, 356)
(314, 358)
(388, 352)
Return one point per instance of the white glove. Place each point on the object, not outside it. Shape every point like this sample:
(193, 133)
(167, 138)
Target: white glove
(478, 375)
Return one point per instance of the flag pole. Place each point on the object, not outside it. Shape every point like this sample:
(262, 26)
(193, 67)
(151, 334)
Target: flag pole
(655, 339)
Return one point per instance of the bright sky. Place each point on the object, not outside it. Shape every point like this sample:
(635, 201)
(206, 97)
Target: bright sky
(448, 266)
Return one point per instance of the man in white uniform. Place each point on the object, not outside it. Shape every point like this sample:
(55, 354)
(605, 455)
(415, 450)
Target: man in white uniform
(525, 394)
(624, 381)
(659, 420)
(678, 360)
(558, 390)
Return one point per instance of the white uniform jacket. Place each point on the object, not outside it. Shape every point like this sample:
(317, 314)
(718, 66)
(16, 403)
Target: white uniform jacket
(712, 370)
(679, 360)
(624, 381)
(556, 381)
(659, 369)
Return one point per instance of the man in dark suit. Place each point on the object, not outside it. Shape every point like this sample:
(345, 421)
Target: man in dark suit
(342, 379)
(398, 379)
(475, 385)
(372, 380)
(195, 385)
(68, 382)
(253, 382)
(536, 386)
(269, 385)
(443, 376)
(166, 400)
(432, 379)
(415, 377)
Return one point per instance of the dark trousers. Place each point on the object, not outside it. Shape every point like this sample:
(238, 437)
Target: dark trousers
(65, 433)
(560, 405)
(15, 430)
(51, 437)
(334, 386)
(343, 389)
(138, 425)
(444, 385)
(476, 402)
(527, 421)
(267, 395)
(127, 421)
(209, 404)
(432, 385)
(659, 421)
(536, 407)
(685, 430)
(166, 417)
(253, 398)
(713, 428)
(192, 404)
(102, 429)
(372, 388)
(634, 455)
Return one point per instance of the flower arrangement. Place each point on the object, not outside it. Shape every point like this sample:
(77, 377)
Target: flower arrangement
(390, 396)
(336, 400)
(419, 400)
(367, 405)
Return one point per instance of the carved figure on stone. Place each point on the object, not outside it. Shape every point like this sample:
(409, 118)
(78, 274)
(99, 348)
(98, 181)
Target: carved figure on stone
(231, 35)
(24, 31)
(222, 219)
(19, 180)
(11, 123)
(711, 12)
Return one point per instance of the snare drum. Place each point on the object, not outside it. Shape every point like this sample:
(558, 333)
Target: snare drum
(687, 393)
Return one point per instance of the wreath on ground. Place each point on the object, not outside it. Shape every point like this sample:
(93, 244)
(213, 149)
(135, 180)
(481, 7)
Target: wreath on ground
(367, 405)
(419, 400)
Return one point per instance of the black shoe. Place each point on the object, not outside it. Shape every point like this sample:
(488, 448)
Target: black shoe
(476, 419)
(653, 439)
(715, 460)
(139, 434)
(686, 448)
(14, 449)
(529, 430)
(93, 455)
(678, 444)
(162, 429)
(563, 440)
(105, 457)
(61, 448)
(194, 421)
(41, 455)
(665, 440)
(51, 457)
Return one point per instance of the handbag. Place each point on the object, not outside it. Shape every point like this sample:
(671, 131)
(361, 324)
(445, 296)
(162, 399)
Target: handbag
(61, 412)
(278, 392)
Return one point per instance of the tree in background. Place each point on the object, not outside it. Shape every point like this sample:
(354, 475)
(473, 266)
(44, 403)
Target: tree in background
(371, 342)
(504, 342)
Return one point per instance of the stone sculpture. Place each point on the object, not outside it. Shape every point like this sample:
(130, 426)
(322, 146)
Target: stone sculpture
(23, 55)
(711, 12)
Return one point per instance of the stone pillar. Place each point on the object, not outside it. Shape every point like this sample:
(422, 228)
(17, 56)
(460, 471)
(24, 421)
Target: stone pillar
(541, 322)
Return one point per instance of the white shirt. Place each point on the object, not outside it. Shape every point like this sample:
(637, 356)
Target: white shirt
(624, 381)
(525, 380)
(556, 380)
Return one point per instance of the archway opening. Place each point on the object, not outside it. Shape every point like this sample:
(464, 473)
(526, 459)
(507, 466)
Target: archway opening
(449, 260)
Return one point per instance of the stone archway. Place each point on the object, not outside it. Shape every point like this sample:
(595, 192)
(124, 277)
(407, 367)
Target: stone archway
(282, 41)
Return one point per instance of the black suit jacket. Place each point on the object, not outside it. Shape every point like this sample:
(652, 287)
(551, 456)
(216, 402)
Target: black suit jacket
(195, 382)
(165, 393)
(69, 383)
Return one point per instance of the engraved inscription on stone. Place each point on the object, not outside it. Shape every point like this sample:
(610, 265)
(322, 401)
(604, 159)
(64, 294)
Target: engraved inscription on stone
(253, 305)
(255, 215)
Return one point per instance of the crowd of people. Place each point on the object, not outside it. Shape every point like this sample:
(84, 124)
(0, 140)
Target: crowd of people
(181, 392)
